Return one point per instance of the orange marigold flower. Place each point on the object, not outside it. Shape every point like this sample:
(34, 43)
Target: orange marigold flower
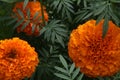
(93, 54)
(34, 7)
(17, 59)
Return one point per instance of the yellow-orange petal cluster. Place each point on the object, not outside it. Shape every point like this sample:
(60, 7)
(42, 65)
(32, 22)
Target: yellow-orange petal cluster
(34, 7)
(17, 59)
(97, 57)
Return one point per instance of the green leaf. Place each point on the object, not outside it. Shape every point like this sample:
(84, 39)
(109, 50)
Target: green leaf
(25, 24)
(33, 28)
(43, 30)
(64, 8)
(12, 21)
(55, 32)
(18, 23)
(72, 68)
(5, 18)
(100, 9)
(80, 15)
(115, 1)
(100, 17)
(105, 26)
(63, 62)
(28, 13)
(53, 37)
(62, 76)
(25, 3)
(60, 40)
(61, 69)
(35, 15)
(87, 16)
(75, 73)
(113, 15)
(78, 2)
(20, 13)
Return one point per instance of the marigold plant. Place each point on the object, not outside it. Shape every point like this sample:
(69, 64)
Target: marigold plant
(74, 39)
(35, 9)
(17, 59)
(96, 56)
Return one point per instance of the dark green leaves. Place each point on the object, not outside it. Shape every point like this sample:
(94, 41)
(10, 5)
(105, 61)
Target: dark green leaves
(115, 1)
(67, 73)
(116, 76)
(105, 26)
(18, 23)
(64, 7)
(54, 32)
(99, 10)
(9, 1)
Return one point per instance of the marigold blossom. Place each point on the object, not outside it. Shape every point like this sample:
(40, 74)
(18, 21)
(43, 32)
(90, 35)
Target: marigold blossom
(34, 7)
(96, 56)
(17, 59)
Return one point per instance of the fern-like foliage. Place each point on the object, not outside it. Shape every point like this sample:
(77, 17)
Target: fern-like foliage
(55, 32)
(98, 9)
(51, 43)
(68, 72)
(64, 7)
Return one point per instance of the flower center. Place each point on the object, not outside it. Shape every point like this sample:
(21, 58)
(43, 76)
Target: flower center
(12, 54)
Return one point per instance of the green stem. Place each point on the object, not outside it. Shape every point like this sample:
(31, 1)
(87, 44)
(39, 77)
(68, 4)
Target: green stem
(42, 10)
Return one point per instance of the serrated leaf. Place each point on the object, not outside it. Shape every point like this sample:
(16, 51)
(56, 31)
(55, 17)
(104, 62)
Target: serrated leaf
(75, 73)
(64, 63)
(61, 70)
(61, 76)
(72, 68)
